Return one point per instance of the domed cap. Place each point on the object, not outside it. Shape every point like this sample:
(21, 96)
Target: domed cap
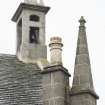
(56, 40)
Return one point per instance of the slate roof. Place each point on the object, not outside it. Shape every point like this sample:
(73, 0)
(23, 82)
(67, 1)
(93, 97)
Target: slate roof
(20, 83)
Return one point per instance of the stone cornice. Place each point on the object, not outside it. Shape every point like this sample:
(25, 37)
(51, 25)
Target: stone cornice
(30, 7)
(88, 91)
(54, 68)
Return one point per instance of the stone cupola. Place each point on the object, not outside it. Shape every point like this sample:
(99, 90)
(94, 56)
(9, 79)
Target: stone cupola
(30, 22)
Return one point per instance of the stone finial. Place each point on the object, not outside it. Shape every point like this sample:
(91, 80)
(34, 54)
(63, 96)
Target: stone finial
(82, 21)
(41, 2)
(56, 50)
(31, 1)
(35, 2)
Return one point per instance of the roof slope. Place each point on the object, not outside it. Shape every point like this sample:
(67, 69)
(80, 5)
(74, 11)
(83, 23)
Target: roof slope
(20, 83)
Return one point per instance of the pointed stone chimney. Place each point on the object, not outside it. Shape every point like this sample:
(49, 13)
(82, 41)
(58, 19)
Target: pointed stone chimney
(82, 81)
(56, 50)
(82, 74)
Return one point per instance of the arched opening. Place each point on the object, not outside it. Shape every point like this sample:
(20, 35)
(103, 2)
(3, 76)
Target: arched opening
(34, 35)
(34, 18)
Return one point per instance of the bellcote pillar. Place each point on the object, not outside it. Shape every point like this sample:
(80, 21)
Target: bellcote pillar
(31, 2)
(35, 2)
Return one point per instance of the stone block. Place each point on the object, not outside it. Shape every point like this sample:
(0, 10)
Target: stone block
(58, 91)
(46, 103)
(82, 58)
(60, 101)
(59, 77)
(83, 99)
(47, 79)
(47, 92)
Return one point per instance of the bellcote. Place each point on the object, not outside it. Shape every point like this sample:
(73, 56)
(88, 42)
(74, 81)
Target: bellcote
(30, 23)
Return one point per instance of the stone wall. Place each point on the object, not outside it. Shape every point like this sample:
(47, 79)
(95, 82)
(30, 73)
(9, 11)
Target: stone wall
(83, 99)
(55, 88)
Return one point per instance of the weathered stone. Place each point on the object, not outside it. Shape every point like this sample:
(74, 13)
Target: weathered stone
(27, 51)
(84, 99)
(82, 91)
(55, 85)
(56, 50)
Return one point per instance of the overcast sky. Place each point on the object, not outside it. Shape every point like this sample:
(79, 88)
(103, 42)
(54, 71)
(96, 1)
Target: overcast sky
(62, 20)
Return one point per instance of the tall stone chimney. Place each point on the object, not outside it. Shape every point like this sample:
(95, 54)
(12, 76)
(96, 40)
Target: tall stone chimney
(56, 50)
(55, 77)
